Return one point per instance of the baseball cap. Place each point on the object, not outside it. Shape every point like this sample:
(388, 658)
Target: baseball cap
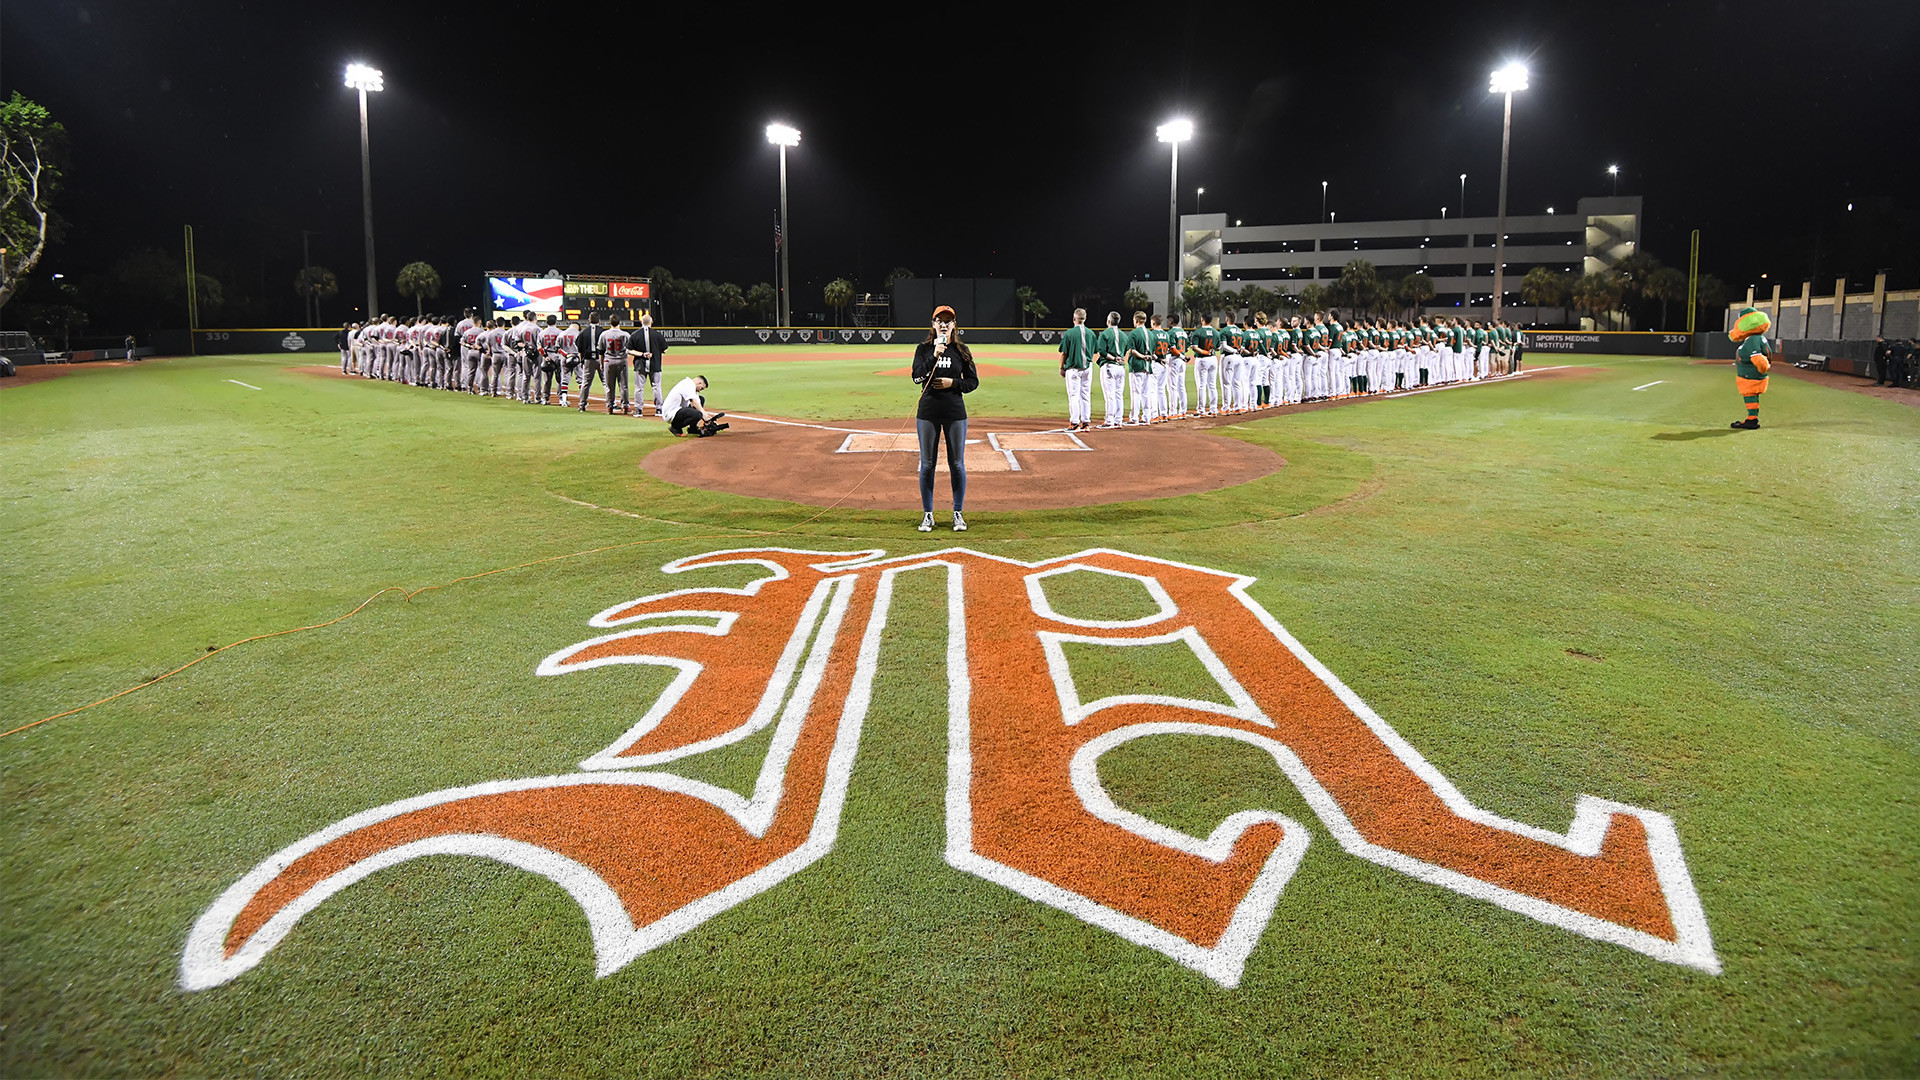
(947, 311)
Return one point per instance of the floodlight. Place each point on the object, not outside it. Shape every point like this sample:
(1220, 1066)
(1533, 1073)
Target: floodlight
(783, 135)
(362, 77)
(1509, 79)
(1613, 170)
(1176, 131)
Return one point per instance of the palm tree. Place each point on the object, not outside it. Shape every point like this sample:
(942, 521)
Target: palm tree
(1258, 298)
(1358, 285)
(1598, 293)
(838, 294)
(898, 273)
(1134, 299)
(729, 299)
(1202, 298)
(1037, 309)
(760, 300)
(1415, 290)
(661, 280)
(421, 282)
(1544, 287)
(706, 295)
(1665, 284)
(1711, 294)
(1023, 298)
(315, 283)
(1313, 297)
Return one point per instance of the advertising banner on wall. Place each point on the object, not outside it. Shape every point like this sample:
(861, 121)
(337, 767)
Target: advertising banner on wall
(1611, 342)
(299, 340)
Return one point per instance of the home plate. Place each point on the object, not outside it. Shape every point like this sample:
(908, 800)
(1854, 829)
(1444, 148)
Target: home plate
(980, 456)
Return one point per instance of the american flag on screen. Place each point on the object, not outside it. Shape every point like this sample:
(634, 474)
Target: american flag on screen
(526, 294)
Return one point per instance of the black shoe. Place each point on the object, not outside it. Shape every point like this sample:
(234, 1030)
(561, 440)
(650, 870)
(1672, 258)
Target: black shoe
(1751, 423)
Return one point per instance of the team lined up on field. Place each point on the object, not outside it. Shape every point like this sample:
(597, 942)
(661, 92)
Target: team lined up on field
(519, 358)
(1266, 363)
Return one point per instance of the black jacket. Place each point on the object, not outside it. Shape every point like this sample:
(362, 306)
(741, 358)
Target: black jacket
(655, 342)
(944, 406)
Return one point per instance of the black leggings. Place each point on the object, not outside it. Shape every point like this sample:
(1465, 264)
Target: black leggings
(956, 433)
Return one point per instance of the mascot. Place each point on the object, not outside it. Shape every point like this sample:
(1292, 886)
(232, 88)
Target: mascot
(1751, 361)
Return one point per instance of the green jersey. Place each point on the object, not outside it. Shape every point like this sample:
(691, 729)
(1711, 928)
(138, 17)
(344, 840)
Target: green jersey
(1112, 345)
(1076, 348)
(1181, 343)
(1233, 337)
(1162, 343)
(1206, 340)
(1142, 361)
(1743, 364)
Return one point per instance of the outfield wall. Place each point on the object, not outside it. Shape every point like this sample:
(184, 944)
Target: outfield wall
(320, 339)
(1606, 342)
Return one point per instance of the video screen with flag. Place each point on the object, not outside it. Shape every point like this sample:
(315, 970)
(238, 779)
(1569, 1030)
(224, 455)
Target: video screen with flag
(541, 295)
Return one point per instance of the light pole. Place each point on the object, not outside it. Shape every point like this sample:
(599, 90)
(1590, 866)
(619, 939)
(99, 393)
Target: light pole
(1505, 81)
(1174, 132)
(783, 136)
(363, 78)
(1323, 202)
(1614, 171)
(1463, 194)
(1197, 193)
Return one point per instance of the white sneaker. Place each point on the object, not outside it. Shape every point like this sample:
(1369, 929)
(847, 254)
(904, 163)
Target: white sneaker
(926, 522)
(959, 523)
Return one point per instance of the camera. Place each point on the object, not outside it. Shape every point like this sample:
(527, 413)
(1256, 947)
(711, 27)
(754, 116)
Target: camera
(711, 426)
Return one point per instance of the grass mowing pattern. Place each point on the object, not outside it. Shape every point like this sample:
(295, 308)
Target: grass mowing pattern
(1549, 587)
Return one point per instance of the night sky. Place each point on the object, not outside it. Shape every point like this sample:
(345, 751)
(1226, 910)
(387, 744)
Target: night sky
(602, 139)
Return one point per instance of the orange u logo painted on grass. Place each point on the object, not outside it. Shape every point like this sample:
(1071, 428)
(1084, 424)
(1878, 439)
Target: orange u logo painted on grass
(649, 854)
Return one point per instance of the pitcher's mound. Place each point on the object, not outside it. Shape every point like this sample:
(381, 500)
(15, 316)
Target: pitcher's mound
(1011, 464)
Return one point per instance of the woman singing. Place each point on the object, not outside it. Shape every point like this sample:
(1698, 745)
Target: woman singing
(943, 367)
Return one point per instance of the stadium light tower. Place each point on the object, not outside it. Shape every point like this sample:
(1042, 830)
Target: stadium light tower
(1614, 171)
(783, 136)
(1175, 132)
(363, 78)
(1506, 80)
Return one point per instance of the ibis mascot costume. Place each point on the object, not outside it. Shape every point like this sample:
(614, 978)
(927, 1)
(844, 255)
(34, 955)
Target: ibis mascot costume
(1750, 361)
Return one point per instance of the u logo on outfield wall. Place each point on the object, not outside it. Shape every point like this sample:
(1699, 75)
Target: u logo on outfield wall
(649, 854)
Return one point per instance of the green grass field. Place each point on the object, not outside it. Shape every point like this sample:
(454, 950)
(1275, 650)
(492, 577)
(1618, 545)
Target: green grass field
(1549, 587)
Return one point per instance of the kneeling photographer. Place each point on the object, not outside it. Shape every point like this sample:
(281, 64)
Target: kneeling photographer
(686, 413)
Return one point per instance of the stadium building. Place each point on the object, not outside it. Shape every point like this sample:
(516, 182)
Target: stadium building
(1457, 253)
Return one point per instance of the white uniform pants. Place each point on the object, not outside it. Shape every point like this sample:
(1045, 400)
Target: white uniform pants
(1206, 385)
(1113, 394)
(1079, 395)
(1251, 370)
(1230, 381)
(1176, 387)
(1142, 410)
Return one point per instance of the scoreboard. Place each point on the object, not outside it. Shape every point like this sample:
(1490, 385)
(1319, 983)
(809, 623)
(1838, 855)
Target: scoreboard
(629, 298)
(571, 296)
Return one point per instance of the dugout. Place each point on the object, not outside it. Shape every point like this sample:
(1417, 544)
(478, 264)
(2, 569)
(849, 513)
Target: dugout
(976, 301)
